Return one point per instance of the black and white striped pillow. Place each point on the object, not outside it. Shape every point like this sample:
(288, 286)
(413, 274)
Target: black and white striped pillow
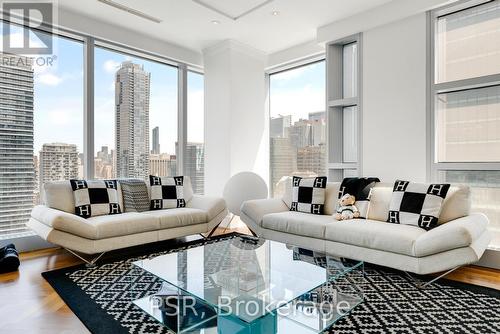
(135, 195)
(95, 197)
(166, 192)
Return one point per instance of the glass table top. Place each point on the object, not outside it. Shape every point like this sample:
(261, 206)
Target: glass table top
(245, 271)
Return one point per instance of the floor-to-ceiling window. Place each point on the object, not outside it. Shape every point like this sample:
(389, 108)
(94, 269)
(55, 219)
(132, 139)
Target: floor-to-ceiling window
(466, 103)
(131, 130)
(41, 123)
(135, 122)
(194, 159)
(297, 123)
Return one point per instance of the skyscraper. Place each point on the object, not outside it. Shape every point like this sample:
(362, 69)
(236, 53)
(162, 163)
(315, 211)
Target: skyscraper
(195, 166)
(279, 126)
(300, 134)
(16, 142)
(132, 89)
(283, 160)
(318, 127)
(156, 140)
(161, 164)
(58, 161)
(312, 159)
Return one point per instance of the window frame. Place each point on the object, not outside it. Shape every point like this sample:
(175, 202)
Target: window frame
(31, 241)
(434, 89)
(276, 70)
(338, 168)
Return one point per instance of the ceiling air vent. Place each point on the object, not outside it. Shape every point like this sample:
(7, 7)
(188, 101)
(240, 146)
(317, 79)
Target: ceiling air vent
(130, 10)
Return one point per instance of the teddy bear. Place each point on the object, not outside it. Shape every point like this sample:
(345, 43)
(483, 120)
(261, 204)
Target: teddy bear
(346, 208)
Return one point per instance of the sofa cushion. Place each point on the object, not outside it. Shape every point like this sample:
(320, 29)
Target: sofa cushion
(256, 209)
(123, 224)
(178, 217)
(95, 227)
(212, 206)
(456, 204)
(298, 223)
(375, 234)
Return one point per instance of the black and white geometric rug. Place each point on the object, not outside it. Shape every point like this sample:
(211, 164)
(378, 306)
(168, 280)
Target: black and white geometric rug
(102, 298)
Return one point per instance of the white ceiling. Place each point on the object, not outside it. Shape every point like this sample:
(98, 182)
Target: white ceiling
(189, 24)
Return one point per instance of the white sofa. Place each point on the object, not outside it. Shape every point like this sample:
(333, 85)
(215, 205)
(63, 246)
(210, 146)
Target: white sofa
(56, 222)
(460, 239)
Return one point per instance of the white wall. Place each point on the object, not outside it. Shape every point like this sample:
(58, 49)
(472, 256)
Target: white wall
(394, 100)
(236, 129)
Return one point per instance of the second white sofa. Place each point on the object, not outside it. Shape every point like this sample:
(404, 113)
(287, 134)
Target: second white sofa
(460, 239)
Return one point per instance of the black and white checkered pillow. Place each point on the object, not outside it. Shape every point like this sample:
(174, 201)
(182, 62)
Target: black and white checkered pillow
(166, 192)
(95, 198)
(308, 194)
(417, 204)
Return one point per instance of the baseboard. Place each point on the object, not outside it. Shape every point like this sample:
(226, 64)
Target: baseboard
(28, 243)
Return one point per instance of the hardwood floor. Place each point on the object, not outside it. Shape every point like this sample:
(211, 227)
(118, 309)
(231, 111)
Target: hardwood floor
(30, 305)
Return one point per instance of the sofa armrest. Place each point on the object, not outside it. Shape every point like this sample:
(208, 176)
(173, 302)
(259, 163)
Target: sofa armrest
(456, 233)
(258, 208)
(211, 205)
(61, 220)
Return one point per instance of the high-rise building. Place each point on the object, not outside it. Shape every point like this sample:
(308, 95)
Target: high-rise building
(283, 159)
(318, 127)
(159, 164)
(58, 161)
(132, 89)
(300, 134)
(194, 161)
(16, 143)
(279, 125)
(312, 159)
(156, 140)
(104, 164)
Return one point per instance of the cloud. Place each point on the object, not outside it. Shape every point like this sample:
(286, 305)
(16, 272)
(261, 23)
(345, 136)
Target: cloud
(60, 117)
(111, 66)
(291, 74)
(49, 79)
(297, 102)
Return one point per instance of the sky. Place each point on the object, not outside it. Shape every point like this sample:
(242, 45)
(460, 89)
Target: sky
(298, 92)
(58, 95)
(58, 115)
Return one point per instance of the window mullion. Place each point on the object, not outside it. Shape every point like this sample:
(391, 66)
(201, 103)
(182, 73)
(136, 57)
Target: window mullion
(88, 126)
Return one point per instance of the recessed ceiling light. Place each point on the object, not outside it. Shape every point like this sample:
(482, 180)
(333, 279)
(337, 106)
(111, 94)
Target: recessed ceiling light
(215, 22)
(275, 13)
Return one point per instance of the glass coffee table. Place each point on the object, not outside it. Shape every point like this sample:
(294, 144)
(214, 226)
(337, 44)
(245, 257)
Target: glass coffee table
(250, 285)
